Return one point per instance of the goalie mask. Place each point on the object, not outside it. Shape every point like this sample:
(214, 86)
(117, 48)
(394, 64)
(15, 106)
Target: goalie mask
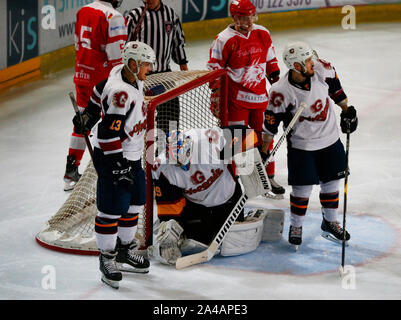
(297, 52)
(179, 148)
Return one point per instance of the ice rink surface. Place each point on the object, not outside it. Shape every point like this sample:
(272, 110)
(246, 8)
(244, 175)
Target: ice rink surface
(35, 125)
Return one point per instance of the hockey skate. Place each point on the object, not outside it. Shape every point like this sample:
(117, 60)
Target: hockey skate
(110, 273)
(295, 237)
(129, 259)
(277, 191)
(71, 175)
(333, 232)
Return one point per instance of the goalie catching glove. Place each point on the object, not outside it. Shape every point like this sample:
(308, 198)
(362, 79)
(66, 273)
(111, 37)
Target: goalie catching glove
(350, 119)
(166, 250)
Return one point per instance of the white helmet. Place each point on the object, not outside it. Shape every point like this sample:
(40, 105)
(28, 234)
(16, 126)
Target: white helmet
(179, 148)
(297, 52)
(139, 52)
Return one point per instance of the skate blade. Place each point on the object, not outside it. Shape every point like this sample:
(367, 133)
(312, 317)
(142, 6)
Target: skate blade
(330, 237)
(112, 283)
(294, 247)
(273, 196)
(127, 268)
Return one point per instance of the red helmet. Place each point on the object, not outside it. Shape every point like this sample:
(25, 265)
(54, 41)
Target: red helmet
(242, 8)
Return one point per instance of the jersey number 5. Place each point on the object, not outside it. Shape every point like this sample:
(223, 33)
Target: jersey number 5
(85, 42)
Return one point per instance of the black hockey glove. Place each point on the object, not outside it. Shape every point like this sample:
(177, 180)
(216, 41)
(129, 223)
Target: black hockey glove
(122, 173)
(273, 77)
(349, 120)
(79, 122)
(89, 117)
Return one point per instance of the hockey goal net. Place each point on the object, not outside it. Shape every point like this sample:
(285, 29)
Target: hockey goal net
(71, 229)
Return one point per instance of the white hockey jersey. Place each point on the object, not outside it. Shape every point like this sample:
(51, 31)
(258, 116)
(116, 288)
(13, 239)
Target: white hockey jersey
(317, 127)
(123, 124)
(208, 181)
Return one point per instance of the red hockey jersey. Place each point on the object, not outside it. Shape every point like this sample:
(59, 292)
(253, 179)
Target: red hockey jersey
(247, 58)
(100, 35)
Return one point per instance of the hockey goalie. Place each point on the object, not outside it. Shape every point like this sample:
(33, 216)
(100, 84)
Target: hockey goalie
(197, 185)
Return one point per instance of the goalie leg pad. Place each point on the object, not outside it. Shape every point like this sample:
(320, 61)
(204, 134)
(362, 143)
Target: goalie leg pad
(252, 173)
(243, 237)
(273, 225)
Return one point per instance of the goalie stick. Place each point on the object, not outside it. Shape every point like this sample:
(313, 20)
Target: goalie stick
(75, 106)
(208, 254)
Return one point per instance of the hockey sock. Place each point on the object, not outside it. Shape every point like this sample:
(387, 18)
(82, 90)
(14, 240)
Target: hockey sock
(106, 227)
(127, 226)
(329, 199)
(299, 199)
(77, 147)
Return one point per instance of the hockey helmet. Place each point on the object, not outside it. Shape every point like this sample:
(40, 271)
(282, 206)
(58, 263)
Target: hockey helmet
(242, 8)
(139, 52)
(297, 52)
(116, 3)
(179, 148)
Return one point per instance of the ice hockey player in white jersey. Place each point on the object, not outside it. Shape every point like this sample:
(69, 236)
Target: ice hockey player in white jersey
(118, 140)
(196, 190)
(315, 152)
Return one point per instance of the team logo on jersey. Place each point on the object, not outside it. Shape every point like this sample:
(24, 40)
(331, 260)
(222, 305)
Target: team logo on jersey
(119, 99)
(216, 173)
(198, 177)
(276, 99)
(253, 75)
(138, 127)
(168, 27)
(318, 107)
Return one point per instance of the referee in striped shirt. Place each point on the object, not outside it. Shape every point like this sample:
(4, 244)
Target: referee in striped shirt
(161, 29)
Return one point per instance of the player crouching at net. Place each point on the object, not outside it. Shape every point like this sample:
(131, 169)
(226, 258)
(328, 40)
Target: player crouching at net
(196, 191)
(315, 154)
(121, 186)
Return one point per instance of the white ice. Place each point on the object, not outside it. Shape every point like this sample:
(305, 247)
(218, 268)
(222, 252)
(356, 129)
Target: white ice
(35, 125)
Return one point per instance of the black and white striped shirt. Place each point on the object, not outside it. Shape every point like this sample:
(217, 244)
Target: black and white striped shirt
(162, 31)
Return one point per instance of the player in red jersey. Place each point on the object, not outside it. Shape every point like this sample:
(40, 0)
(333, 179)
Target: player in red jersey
(246, 51)
(100, 35)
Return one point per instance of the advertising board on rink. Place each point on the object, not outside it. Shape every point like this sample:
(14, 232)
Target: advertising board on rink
(33, 28)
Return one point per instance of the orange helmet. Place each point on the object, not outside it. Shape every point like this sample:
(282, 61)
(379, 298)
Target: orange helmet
(242, 8)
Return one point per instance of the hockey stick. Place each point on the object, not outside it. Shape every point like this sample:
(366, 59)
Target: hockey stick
(285, 133)
(208, 254)
(138, 26)
(345, 196)
(75, 106)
